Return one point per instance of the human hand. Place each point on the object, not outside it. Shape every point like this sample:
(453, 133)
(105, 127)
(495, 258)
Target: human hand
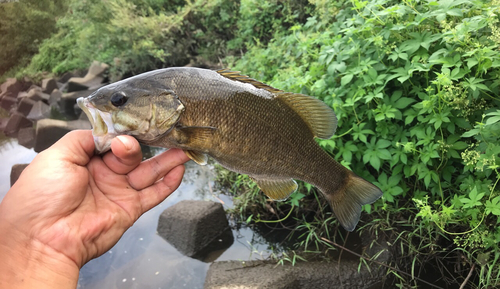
(69, 206)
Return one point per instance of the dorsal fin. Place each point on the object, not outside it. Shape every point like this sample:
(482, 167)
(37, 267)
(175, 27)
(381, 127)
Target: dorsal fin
(320, 118)
(237, 76)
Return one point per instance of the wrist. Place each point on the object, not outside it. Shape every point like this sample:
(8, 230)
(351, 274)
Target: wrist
(30, 264)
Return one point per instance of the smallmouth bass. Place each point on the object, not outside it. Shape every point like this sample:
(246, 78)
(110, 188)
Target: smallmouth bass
(245, 125)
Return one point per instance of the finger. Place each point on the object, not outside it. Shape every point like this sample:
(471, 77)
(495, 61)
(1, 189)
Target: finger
(125, 154)
(149, 171)
(158, 192)
(76, 147)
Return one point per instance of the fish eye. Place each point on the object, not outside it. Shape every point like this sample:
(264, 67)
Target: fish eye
(118, 99)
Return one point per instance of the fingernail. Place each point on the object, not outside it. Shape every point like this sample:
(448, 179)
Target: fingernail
(127, 143)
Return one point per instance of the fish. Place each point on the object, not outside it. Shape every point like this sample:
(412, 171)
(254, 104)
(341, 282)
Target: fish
(245, 125)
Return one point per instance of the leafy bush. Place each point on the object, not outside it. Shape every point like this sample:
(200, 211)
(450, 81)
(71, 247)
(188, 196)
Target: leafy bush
(135, 36)
(415, 88)
(23, 26)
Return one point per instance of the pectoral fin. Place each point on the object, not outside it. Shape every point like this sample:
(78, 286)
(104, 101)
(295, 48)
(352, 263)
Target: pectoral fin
(277, 189)
(197, 136)
(199, 158)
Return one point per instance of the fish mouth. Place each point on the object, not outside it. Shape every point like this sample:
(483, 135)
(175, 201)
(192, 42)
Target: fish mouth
(103, 129)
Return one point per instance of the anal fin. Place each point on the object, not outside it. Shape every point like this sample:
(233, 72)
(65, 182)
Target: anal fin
(277, 189)
(199, 158)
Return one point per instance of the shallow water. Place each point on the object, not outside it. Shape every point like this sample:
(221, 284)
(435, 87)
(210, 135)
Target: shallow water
(143, 259)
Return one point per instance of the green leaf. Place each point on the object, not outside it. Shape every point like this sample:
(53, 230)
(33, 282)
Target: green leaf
(403, 102)
(346, 79)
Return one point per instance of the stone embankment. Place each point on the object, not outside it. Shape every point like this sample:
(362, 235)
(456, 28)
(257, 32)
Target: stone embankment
(40, 114)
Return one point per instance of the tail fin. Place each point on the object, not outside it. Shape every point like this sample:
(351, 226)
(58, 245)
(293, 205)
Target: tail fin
(346, 203)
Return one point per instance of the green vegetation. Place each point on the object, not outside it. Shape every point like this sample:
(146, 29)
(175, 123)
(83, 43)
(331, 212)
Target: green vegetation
(23, 26)
(414, 84)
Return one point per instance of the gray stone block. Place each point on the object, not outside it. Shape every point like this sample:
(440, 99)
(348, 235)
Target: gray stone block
(68, 101)
(26, 137)
(25, 105)
(15, 172)
(92, 80)
(55, 97)
(48, 85)
(15, 123)
(36, 94)
(40, 110)
(48, 131)
(302, 275)
(190, 226)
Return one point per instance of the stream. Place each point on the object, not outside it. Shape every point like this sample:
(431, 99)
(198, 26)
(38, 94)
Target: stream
(143, 259)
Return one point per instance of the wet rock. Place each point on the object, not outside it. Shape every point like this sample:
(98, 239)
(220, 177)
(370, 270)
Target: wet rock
(68, 101)
(190, 226)
(8, 103)
(92, 80)
(48, 131)
(48, 85)
(302, 275)
(36, 94)
(26, 137)
(15, 123)
(25, 105)
(40, 110)
(15, 172)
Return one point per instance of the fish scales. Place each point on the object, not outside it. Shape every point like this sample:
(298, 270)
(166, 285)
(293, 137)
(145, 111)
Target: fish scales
(246, 126)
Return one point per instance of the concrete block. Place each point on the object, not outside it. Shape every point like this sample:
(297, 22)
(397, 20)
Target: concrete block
(36, 94)
(92, 80)
(190, 226)
(55, 96)
(8, 103)
(15, 172)
(302, 275)
(25, 105)
(48, 131)
(48, 85)
(26, 137)
(3, 123)
(40, 110)
(68, 101)
(15, 123)
(12, 85)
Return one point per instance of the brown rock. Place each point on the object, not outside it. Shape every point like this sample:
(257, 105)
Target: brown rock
(15, 172)
(15, 123)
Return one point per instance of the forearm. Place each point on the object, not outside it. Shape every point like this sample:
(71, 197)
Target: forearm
(30, 264)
